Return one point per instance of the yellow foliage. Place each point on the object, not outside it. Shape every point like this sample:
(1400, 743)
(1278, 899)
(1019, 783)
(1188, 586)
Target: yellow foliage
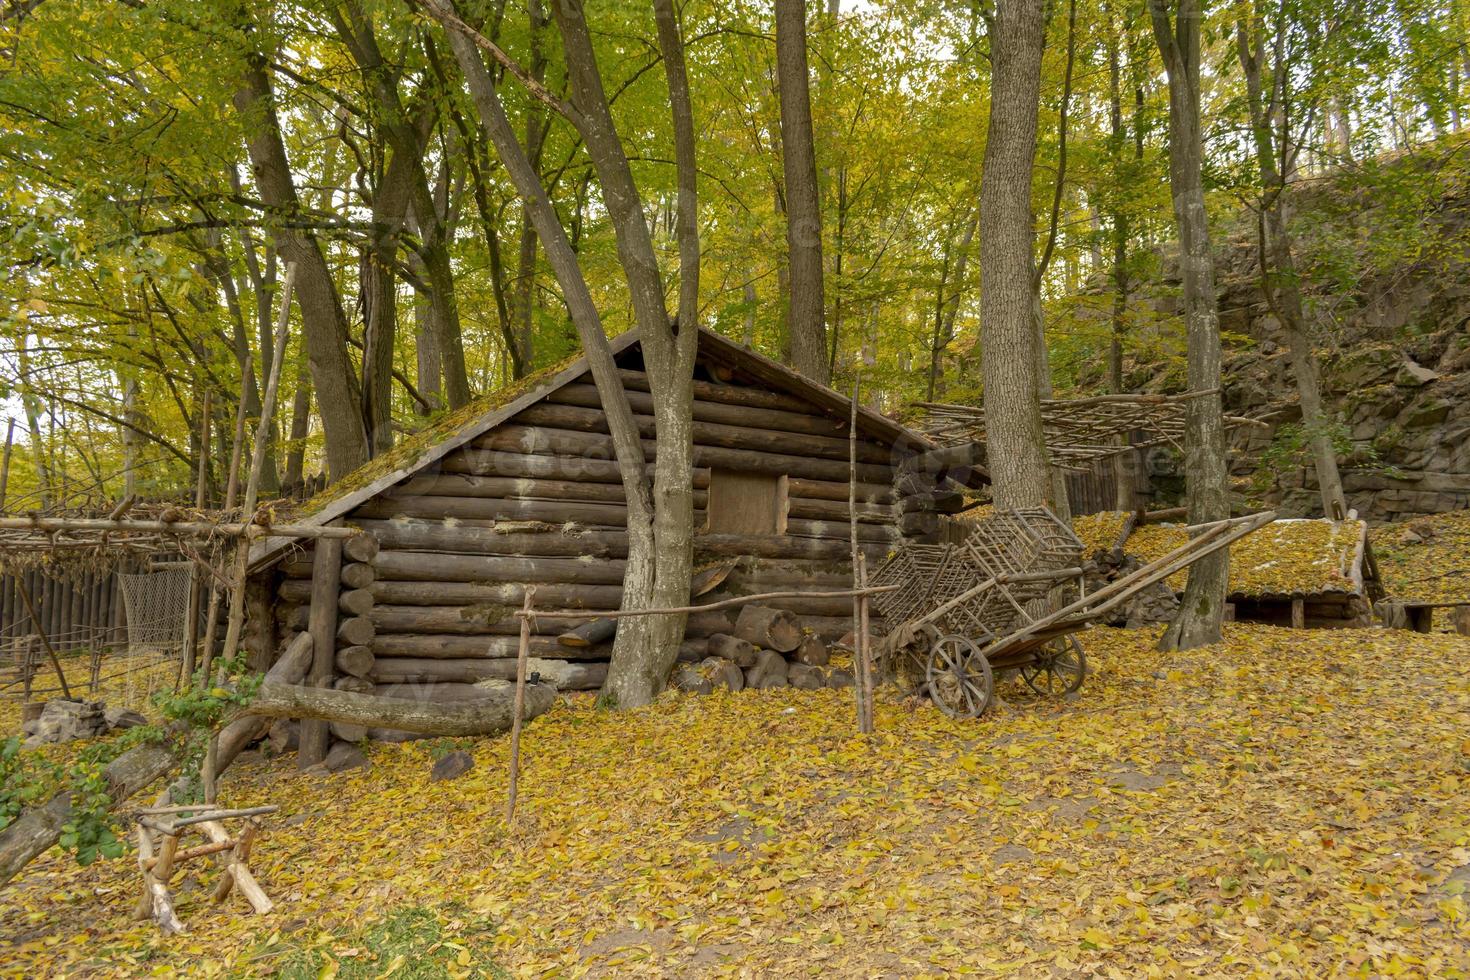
(1289, 802)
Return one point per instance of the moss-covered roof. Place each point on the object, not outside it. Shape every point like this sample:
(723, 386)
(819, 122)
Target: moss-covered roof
(447, 427)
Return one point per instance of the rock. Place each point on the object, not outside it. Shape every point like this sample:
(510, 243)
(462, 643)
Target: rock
(284, 736)
(1413, 375)
(123, 718)
(839, 677)
(342, 756)
(812, 652)
(805, 677)
(773, 680)
(722, 673)
(63, 720)
(452, 766)
(348, 732)
(31, 710)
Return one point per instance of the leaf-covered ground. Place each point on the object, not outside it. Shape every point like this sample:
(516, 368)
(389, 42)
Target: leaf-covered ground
(1286, 557)
(1427, 559)
(1293, 803)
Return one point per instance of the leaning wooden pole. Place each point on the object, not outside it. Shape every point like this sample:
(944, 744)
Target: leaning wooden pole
(5, 463)
(257, 464)
(196, 584)
(527, 615)
(852, 527)
(40, 631)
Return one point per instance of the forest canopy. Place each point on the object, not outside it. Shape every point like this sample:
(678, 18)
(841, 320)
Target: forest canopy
(162, 156)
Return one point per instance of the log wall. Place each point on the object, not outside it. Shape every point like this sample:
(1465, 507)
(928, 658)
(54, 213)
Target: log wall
(538, 501)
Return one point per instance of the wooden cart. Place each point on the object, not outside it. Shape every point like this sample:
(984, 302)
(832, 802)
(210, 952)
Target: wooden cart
(1011, 596)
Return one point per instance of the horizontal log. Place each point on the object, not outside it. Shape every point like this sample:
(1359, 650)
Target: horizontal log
(726, 394)
(573, 468)
(362, 548)
(355, 575)
(488, 716)
(836, 510)
(920, 522)
(938, 501)
(355, 602)
(436, 535)
(422, 566)
(550, 476)
(544, 440)
(356, 631)
(444, 646)
(517, 488)
(841, 531)
(428, 692)
(965, 463)
(499, 620)
(807, 420)
(472, 593)
(590, 633)
(357, 661)
(402, 504)
(713, 434)
(563, 674)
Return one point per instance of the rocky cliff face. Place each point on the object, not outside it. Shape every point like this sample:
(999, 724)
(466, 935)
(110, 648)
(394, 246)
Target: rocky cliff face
(1394, 350)
(1399, 381)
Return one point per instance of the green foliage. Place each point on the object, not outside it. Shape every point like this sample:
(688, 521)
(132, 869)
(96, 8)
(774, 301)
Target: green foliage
(201, 706)
(416, 943)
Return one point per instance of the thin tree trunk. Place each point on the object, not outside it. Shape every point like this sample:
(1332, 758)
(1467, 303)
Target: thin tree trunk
(1017, 451)
(433, 227)
(323, 320)
(803, 204)
(1177, 32)
(1280, 283)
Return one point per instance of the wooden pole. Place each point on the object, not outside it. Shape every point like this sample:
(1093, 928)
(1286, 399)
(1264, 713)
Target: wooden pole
(322, 627)
(25, 596)
(196, 583)
(257, 463)
(232, 489)
(520, 703)
(865, 659)
(857, 600)
(5, 462)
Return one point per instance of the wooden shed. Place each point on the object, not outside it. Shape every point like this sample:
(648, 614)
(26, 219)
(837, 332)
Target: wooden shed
(521, 488)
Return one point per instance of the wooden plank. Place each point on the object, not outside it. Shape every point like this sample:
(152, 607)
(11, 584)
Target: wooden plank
(322, 628)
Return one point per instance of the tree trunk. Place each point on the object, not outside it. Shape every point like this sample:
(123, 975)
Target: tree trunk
(803, 205)
(324, 322)
(1280, 283)
(659, 518)
(1017, 450)
(1177, 32)
(486, 716)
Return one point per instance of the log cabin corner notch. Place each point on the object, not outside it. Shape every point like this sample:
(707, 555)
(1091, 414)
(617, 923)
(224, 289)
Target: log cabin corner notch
(521, 488)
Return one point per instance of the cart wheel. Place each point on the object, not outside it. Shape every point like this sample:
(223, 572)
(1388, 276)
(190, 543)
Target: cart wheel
(958, 677)
(1060, 667)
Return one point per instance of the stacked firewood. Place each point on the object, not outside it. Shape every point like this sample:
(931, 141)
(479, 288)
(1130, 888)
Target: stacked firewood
(768, 648)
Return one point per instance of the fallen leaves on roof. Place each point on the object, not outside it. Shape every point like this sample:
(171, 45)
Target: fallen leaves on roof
(1286, 557)
(1288, 802)
(1426, 559)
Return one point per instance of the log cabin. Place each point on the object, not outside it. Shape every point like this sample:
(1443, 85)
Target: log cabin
(520, 488)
